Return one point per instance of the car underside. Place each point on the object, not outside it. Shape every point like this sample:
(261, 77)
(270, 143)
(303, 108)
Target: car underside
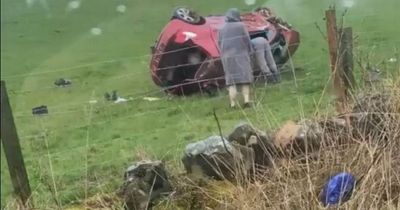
(185, 58)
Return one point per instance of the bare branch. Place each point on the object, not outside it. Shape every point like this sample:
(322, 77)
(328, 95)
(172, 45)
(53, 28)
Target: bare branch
(320, 31)
(220, 132)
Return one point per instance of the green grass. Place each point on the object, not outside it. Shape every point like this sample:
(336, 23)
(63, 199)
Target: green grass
(37, 48)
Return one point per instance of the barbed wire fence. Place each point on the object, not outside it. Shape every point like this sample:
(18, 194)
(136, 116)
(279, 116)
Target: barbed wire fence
(51, 164)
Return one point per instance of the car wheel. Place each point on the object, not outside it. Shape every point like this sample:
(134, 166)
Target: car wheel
(187, 15)
(265, 11)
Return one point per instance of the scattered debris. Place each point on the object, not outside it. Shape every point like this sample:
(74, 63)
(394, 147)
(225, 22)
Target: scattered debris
(114, 95)
(107, 96)
(121, 8)
(120, 100)
(151, 99)
(62, 82)
(144, 183)
(96, 31)
(40, 110)
(338, 189)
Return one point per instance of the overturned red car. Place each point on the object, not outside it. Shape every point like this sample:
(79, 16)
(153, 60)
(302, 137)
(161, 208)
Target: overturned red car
(185, 58)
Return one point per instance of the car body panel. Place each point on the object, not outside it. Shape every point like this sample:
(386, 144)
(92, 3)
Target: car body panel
(179, 38)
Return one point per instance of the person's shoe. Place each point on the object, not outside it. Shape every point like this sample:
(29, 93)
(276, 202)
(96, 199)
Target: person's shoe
(247, 105)
(277, 78)
(233, 107)
(271, 79)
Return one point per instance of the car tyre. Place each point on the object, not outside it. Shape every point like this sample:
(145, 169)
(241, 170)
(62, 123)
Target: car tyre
(187, 15)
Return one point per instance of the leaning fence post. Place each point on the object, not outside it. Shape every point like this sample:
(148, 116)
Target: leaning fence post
(12, 150)
(331, 27)
(332, 34)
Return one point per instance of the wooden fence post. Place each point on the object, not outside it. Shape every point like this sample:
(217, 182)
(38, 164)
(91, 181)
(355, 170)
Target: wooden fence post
(330, 16)
(12, 150)
(346, 59)
(332, 35)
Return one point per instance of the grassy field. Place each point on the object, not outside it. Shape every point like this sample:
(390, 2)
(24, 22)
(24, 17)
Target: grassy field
(80, 149)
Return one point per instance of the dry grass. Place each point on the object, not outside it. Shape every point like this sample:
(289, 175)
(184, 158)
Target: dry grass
(370, 151)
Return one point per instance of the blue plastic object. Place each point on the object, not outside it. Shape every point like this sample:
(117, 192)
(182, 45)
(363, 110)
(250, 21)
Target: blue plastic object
(338, 189)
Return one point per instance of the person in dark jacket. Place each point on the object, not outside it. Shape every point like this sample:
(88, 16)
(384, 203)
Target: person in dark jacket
(235, 49)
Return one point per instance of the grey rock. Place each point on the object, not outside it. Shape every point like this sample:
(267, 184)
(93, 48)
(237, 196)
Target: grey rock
(241, 134)
(263, 145)
(210, 158)
(208, 146)
(144, 183)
